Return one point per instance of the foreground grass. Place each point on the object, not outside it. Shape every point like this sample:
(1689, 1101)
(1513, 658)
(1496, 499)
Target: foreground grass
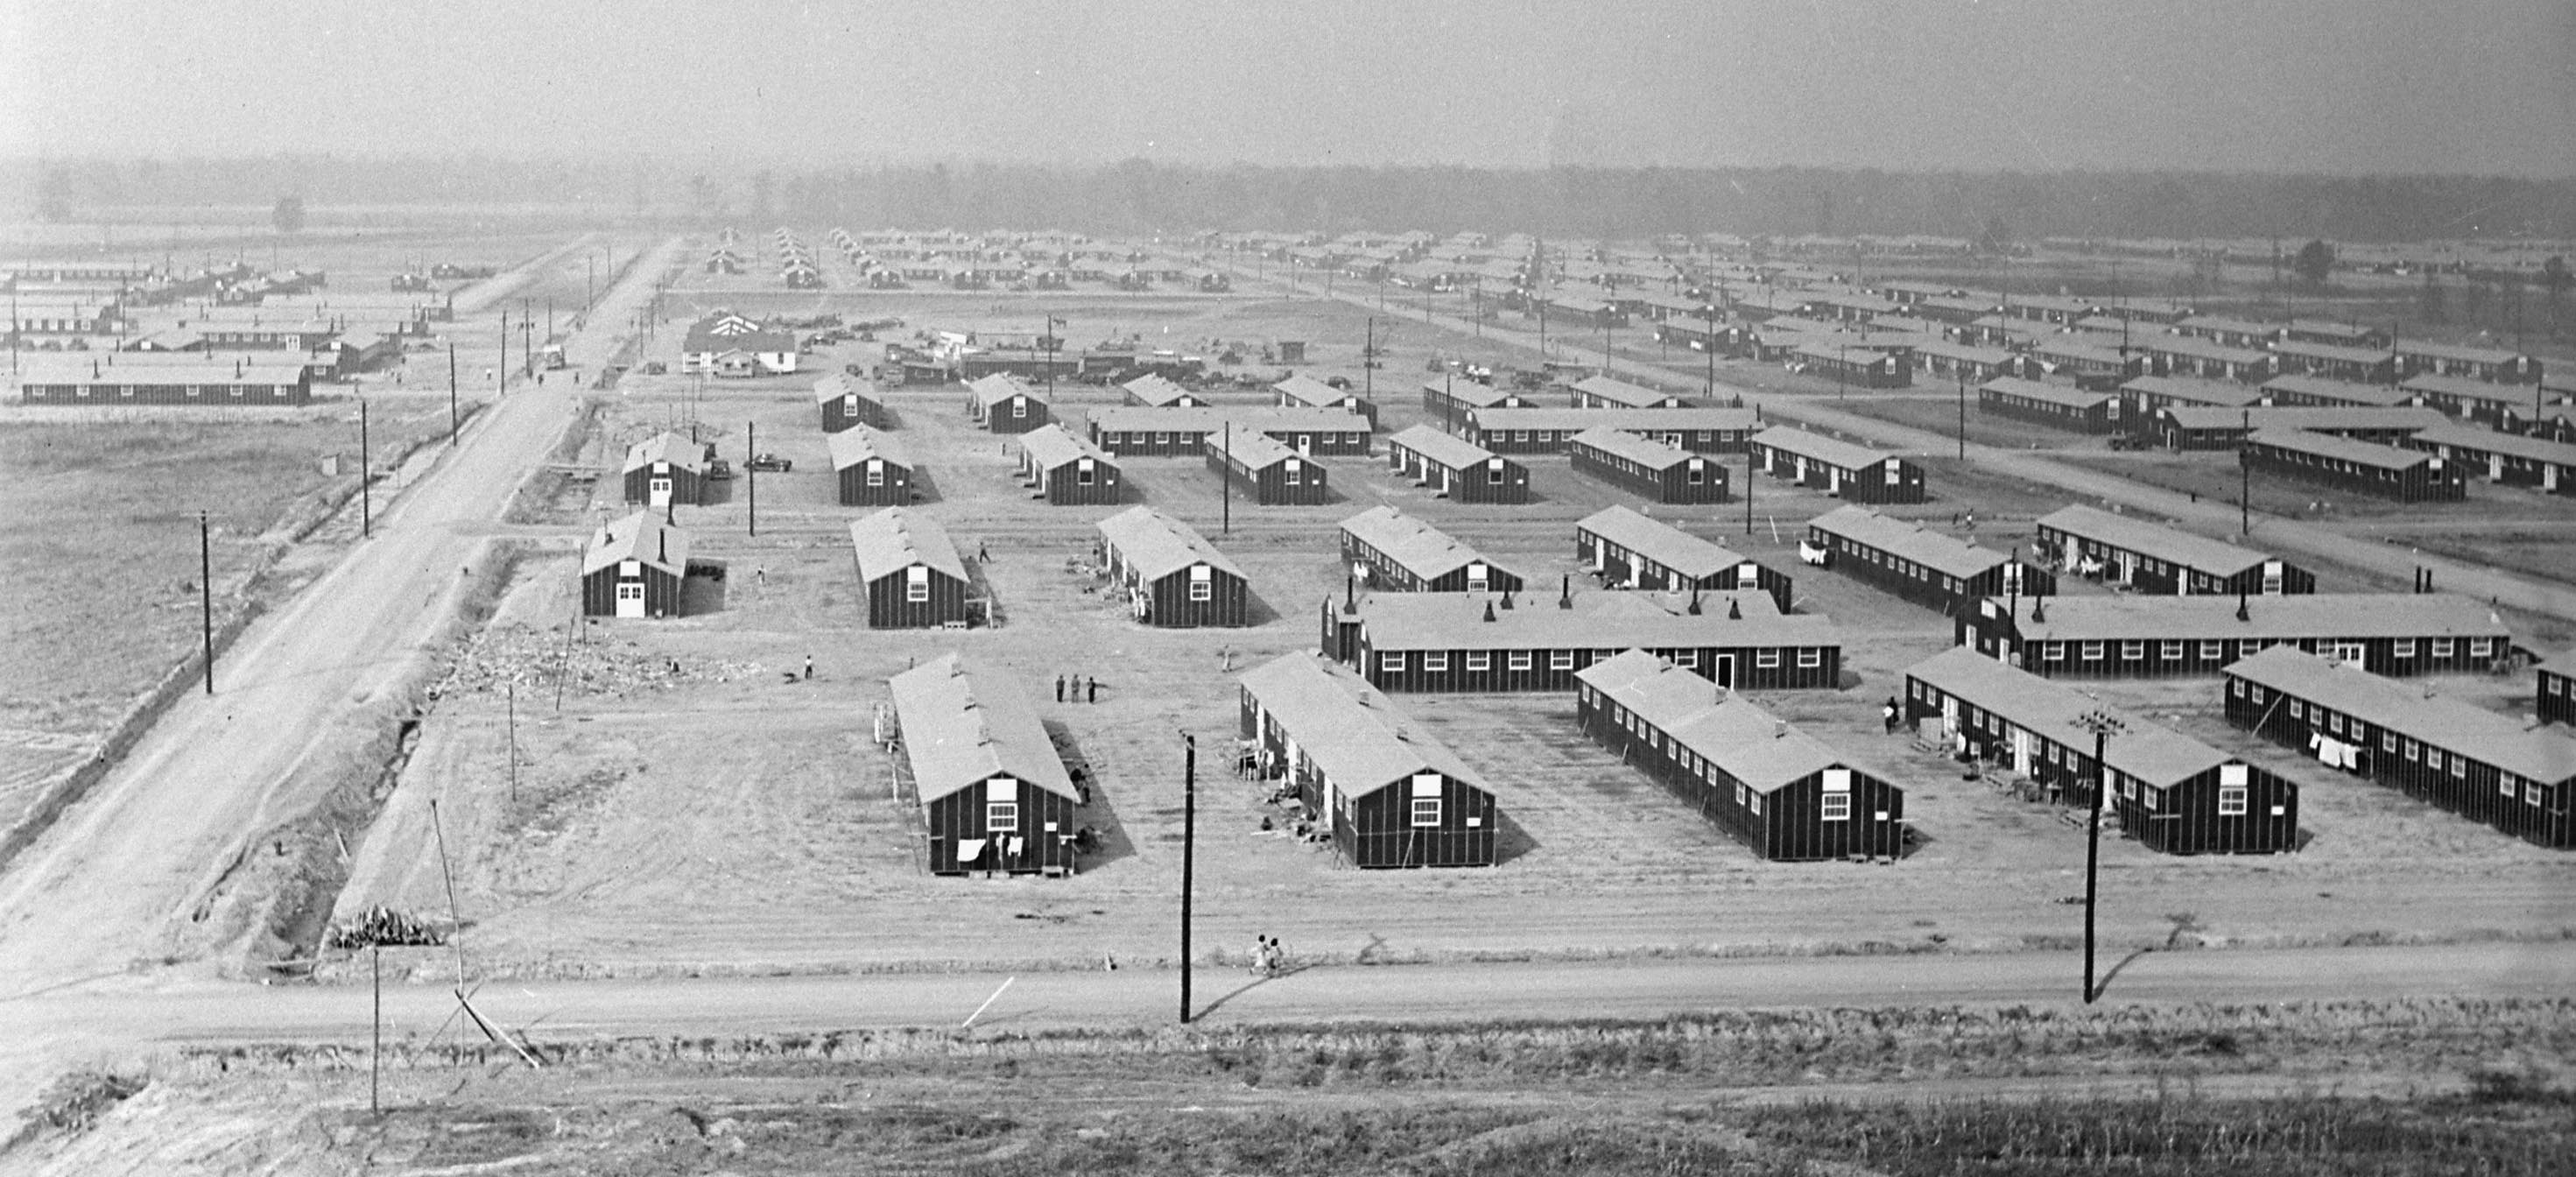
(2458, 1086)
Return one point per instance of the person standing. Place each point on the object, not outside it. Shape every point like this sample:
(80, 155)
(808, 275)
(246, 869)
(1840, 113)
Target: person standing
(1059, 688)
(1888, 712)
(809, 668)
(1091, 688)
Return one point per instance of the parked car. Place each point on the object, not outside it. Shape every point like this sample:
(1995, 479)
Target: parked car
(770, 464)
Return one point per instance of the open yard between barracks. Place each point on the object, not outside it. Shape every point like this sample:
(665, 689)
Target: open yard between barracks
(735, 818)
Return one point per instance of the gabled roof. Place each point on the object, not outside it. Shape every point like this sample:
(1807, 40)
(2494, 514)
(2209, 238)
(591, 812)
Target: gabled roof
(1652, 454)
(835, 386)
(860, 443)
(964, 725)
(1156, 391)
(2046, 393)
(1941, 553)
(2492, 441)
(1659, 541)
(2328, 351)
(2226, 393)
(1599, 621)
(2516, 396)
(2337, 391)
(2139, 617)
(1353, 731)
(641, 537)
(1306, 390)
(726, 331)
(1158, 545)
(1212, 419)
(1471, 393)
(1457, 453)
(1816, 447)
(894, 539)
(1631, 420)
(1732, 732)
(2342, 449)
(2322, 418)
(1252, 451)
(1426, 550)
(667, 447)
(1051, 446)
(999, 387)
(2542, 754)
(2153, 540)
(2159, 756)
(1620, 392)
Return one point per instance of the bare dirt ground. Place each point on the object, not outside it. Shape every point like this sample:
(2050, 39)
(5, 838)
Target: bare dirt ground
(731, 820)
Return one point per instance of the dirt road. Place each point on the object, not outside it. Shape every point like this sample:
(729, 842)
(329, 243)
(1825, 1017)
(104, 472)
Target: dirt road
(2210, 515)
(113, 886)
(1432, 993)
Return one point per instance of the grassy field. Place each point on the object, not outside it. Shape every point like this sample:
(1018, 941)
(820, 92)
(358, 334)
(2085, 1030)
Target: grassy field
(2432, 1087)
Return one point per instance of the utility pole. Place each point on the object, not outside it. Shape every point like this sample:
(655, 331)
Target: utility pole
(512, 697)
(1963, 412)
(206, 595)
(451, 394)
(366, 483)
(1189, 855)
(2245, 476)
(1226, 482)
(1368, 361)
(751, 476)
(502, 383)
(2102, 724)
(1748, 480)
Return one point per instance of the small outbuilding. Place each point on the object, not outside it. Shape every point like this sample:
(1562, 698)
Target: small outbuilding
(665, 469)
(634, 567)
(845, 402)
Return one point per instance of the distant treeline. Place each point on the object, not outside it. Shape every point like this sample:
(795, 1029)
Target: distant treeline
(1138, 196)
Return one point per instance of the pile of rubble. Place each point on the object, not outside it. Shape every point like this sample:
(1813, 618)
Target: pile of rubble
(595, 664)
(382, 925)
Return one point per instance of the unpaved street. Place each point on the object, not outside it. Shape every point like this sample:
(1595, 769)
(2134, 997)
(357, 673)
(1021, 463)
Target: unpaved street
(111, 889)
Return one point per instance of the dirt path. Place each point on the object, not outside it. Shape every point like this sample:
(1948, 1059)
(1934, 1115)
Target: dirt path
(112, 888)
(185, 1013)
(2209, 515)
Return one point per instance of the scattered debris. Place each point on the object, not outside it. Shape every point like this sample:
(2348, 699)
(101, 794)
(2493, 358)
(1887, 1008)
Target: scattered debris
(383, 926)
(596, 664)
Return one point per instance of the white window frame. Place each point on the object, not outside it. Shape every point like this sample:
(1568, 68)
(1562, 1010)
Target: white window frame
(916, 584)
(1518, 660)
(1435, 662)
(1391, 661)
(1766, 659)
(1560, 660)
(2231, 800)
(1836, 807)
(1425, 812)
(1001, 817)
(2092, 651)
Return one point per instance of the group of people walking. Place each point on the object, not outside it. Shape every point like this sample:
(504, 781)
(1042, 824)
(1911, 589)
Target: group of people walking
(1076, 688)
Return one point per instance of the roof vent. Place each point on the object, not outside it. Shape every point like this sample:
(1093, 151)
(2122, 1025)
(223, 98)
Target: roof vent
(1734, 609)
(1489, 610)
(1779, 729)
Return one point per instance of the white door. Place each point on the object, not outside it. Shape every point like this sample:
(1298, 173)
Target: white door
(1306, 443)
(630, 598)
(2021, 751)
(660, 493)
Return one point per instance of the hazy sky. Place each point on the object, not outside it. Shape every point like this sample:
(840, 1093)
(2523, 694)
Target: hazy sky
(2282, 85)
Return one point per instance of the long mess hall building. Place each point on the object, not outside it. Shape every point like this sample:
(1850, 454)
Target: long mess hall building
(1853, 473)
(1786, 794)
(992, 789)
(2483, 766)
(1551, 431)
(1456, 469)
(1391, 794)
(2168, 790)
(1417, 642)
(2136, 636)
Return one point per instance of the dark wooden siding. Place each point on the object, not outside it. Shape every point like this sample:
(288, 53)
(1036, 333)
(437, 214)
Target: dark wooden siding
(2419, 483)
(1191, 443)
(2556, 693)
(661, 593)
(837, 416)
(2474, 791)
(2093, 418)
(1868, 486)
(896, 490)
(1738, 667)
(1065, 488)
(687, 489)
(1671, 484)
(1789, 826)
(1268, 485)
(1375, 831)
(1925, 586)
(1171, 607)
(962, 815)
(888, 608)
(2159, 657)
(1001, 420)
